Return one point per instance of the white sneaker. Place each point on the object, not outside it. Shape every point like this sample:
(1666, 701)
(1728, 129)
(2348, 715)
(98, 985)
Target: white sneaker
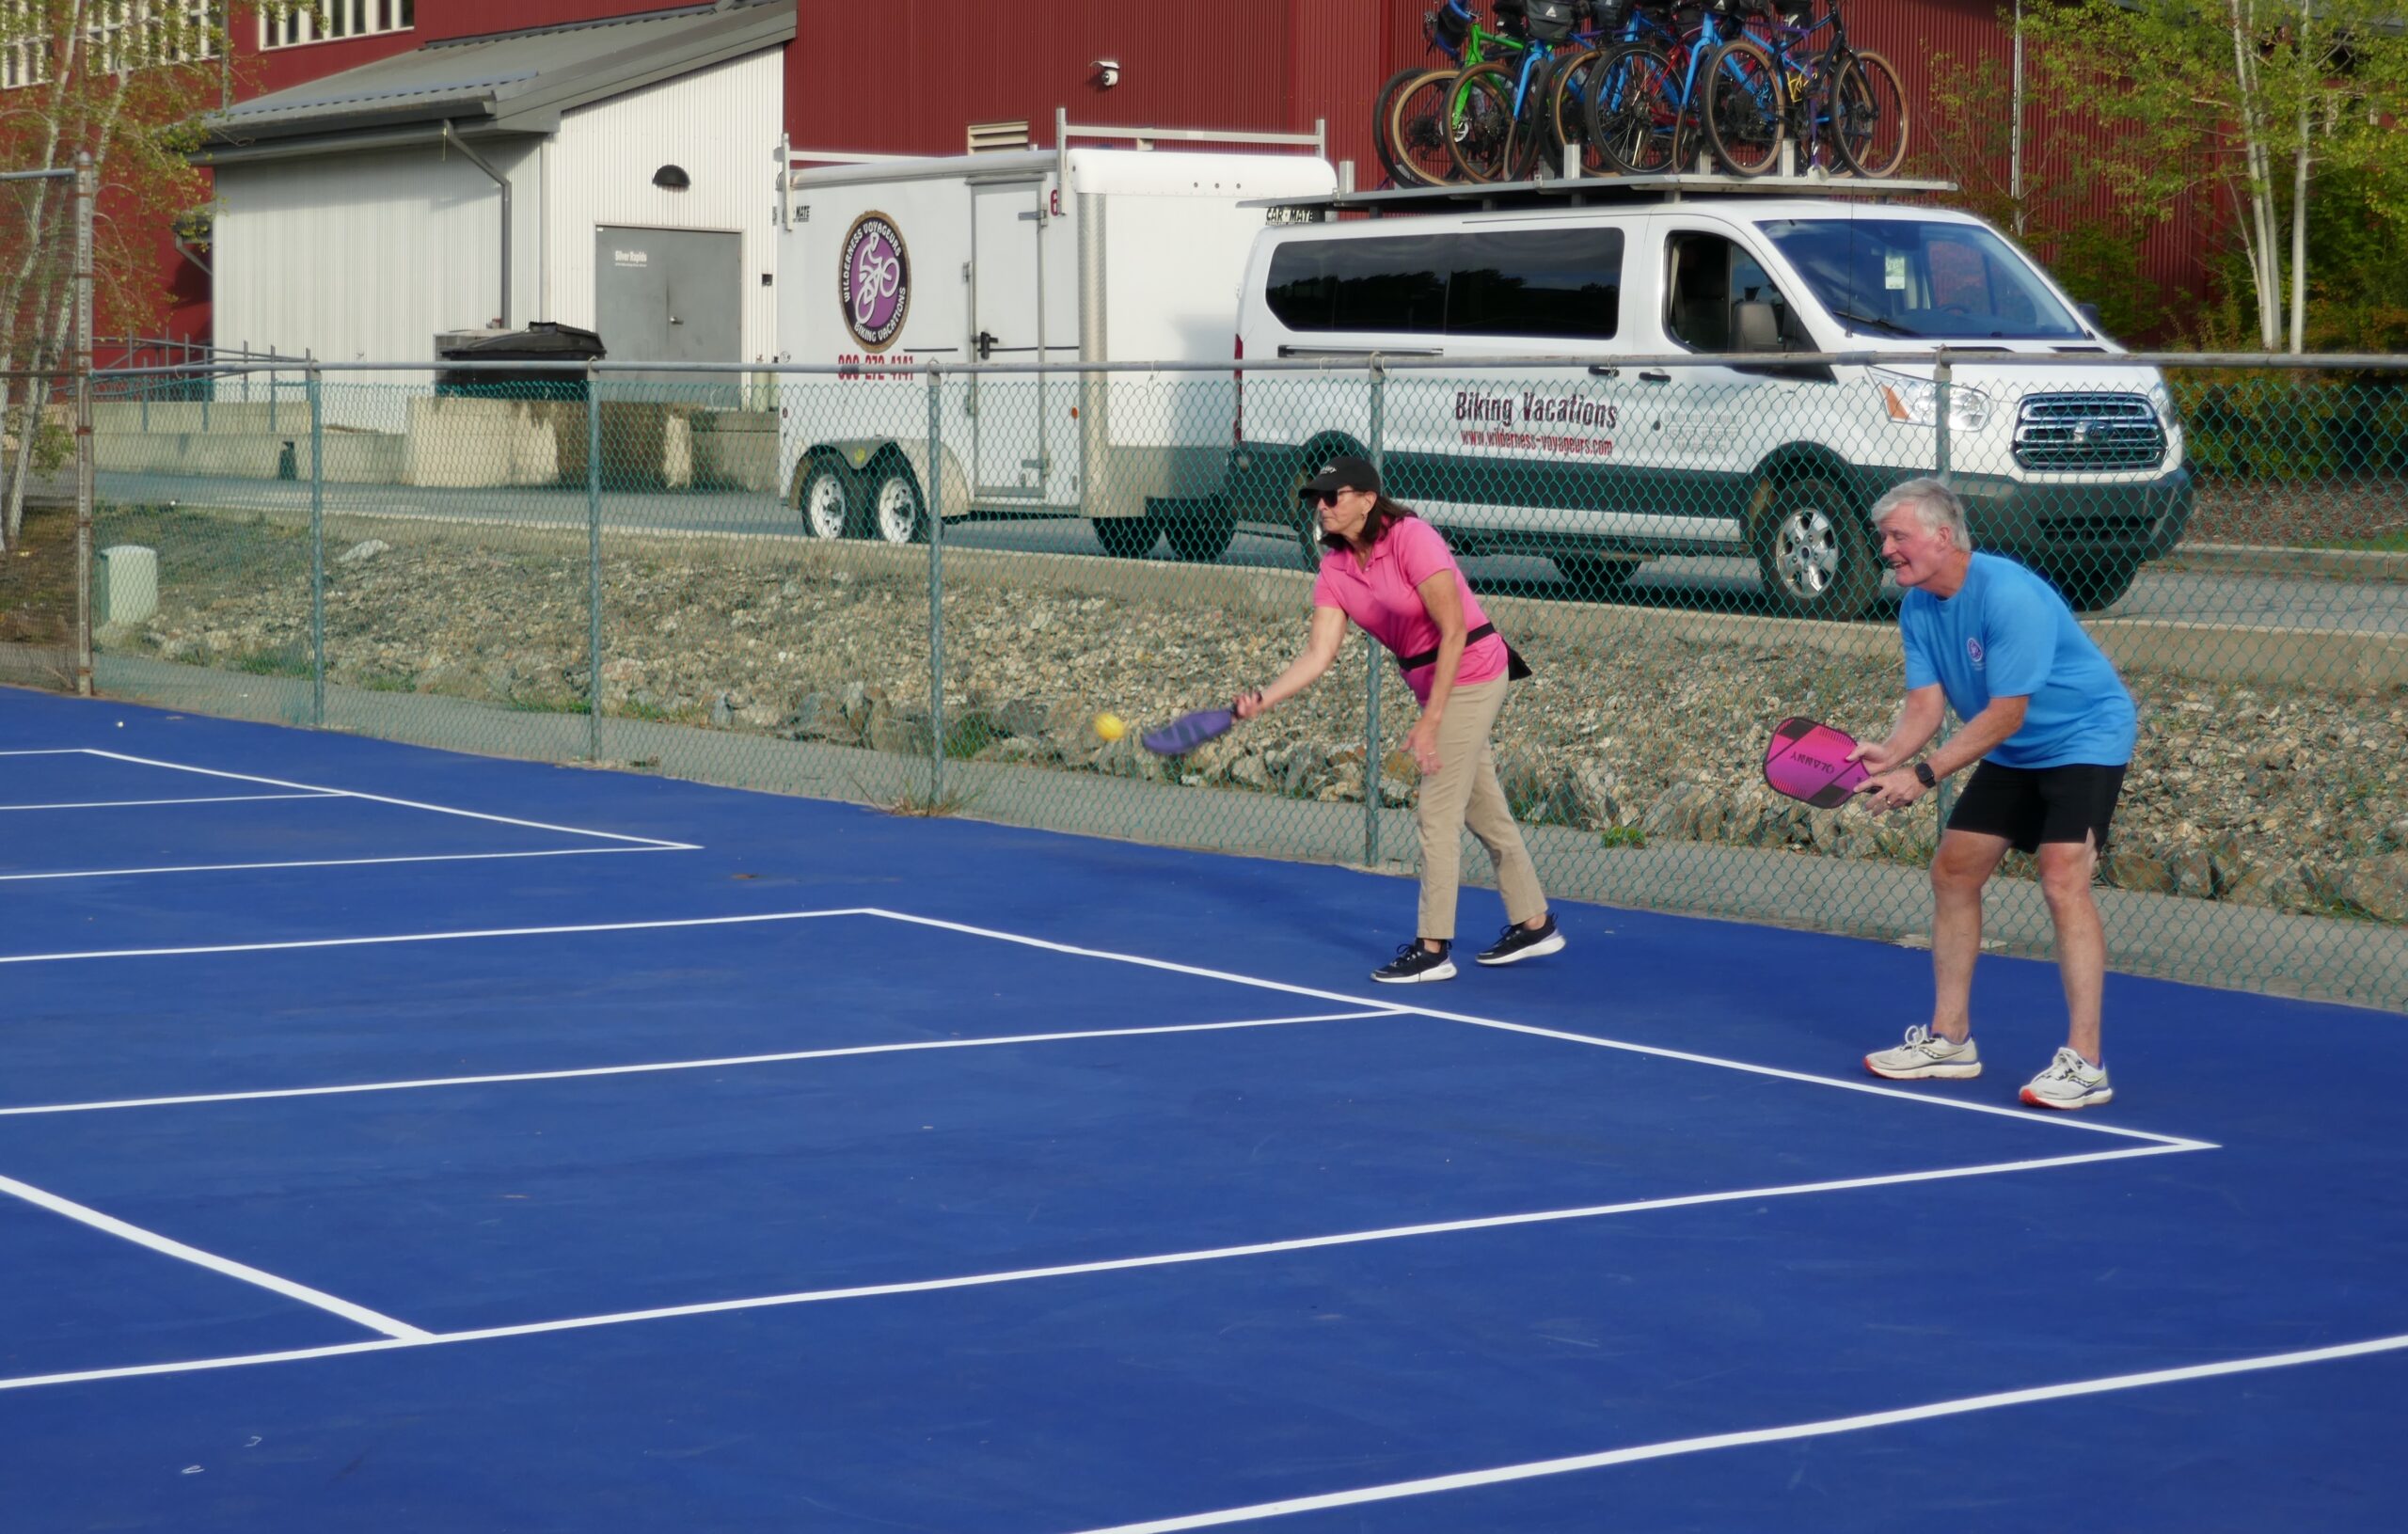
(2070, 1081)
(1927, 1056)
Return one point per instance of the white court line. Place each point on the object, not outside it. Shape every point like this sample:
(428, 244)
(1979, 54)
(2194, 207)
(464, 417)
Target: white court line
(281, 943)
(49, 751)
(835, 1054)
(1594, 1042)
(84, 1215)
(1162, 1259)
(139, 803)
(337, 862)
(405, 803)
(1958, 1407)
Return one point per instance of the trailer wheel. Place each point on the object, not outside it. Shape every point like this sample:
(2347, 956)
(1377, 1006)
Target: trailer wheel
(827, 501)
(896, 513)
(1126, 537)
(1199, 530)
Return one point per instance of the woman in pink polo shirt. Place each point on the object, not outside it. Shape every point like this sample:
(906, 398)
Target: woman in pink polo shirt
(1391, 573)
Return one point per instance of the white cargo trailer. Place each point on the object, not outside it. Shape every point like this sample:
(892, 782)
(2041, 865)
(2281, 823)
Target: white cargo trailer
(987, 265)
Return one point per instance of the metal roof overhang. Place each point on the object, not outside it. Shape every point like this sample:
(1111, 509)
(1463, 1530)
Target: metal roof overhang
(515, 83)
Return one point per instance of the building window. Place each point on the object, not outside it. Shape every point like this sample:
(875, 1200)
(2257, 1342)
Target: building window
(122, 34)
(329, 20)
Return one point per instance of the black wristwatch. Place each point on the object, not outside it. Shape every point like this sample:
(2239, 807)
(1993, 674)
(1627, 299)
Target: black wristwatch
(1924, 775)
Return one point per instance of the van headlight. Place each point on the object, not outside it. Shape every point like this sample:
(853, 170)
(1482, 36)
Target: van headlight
(1915, 401)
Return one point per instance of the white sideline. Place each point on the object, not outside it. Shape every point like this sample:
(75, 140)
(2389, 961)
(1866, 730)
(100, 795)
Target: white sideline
(146, 803)
(650, 1067)
(279, 944)
(1826, 1427)
(1162, 1260)
(110, 1225)
(337, 863)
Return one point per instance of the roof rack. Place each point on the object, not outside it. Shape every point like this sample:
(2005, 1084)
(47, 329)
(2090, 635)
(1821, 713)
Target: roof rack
(1583, 190)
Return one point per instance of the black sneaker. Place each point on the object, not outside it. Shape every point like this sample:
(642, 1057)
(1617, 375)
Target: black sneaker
(1517, 943)
(1413, 963)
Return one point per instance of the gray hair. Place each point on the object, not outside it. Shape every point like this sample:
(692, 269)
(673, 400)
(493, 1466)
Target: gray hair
(1938, 508)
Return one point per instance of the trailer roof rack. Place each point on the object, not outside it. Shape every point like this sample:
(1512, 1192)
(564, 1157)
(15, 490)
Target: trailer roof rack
(1581, 191)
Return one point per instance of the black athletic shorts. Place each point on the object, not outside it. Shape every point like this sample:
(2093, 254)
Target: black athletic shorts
(2031, 805)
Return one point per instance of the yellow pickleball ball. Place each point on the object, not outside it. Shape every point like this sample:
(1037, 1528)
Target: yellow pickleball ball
(1109, 726)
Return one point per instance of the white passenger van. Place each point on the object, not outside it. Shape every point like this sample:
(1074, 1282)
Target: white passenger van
(1066, 255)
(1601, 461)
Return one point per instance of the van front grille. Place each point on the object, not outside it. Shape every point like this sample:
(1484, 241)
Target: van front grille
(2089, 430)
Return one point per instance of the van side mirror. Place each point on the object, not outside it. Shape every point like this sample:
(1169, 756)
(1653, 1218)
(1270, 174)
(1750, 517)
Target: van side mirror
(1755, 326)
(2089, 313)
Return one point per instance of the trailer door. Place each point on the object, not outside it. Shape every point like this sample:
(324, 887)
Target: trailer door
(1009, 411)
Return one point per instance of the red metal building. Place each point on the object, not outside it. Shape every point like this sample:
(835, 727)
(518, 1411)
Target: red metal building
(913, 75)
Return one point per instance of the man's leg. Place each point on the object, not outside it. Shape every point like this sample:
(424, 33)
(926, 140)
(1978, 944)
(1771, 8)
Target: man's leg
(2066, 869)
(1963, 864)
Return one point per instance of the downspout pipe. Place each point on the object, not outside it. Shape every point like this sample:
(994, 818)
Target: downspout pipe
(455, 141)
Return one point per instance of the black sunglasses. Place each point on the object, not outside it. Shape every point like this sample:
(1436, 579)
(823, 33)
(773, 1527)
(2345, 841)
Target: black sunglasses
(1322, 498)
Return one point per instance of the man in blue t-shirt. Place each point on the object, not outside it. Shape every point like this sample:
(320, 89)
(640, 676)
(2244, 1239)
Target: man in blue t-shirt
(2050, 725)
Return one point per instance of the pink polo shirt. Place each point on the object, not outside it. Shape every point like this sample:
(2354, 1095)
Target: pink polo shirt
(1385, 599)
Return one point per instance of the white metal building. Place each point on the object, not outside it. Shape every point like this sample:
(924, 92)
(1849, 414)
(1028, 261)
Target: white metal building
(362, 215)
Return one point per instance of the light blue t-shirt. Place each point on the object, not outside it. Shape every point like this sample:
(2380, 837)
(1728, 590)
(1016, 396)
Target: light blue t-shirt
(2007, 634)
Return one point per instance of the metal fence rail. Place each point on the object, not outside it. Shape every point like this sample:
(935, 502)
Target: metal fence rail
(917, 586)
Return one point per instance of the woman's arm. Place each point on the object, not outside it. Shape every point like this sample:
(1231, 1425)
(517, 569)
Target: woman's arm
(1320, 653)
(1444, 605)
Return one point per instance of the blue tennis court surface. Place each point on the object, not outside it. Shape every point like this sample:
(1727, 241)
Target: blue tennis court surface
(392, 1139)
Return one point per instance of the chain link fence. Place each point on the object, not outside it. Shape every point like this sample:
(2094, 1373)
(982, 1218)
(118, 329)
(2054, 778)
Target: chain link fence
(916, 589)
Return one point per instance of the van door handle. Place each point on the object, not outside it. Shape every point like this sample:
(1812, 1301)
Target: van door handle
(1598, 370)
(1651, 377)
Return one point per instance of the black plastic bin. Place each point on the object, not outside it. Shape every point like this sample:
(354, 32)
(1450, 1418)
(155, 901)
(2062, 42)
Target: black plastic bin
(544, 340)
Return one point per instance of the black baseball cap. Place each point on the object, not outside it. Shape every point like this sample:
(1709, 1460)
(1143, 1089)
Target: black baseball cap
(1344, 474)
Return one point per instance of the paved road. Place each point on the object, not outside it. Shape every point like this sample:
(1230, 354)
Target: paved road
(1722, 585)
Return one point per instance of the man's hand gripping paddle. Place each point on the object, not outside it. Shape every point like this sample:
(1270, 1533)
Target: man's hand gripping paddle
(1809, 762)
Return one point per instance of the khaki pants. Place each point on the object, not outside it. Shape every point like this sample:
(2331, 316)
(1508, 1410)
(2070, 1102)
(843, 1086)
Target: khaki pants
(1465, 792)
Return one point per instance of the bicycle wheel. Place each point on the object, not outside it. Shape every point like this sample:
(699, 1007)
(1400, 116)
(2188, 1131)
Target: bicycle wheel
(1381, 106)
(1480, 122)
(1413, 140)
(1634, 110)
(1568, 87)
(1869, 106)
(1746, 117)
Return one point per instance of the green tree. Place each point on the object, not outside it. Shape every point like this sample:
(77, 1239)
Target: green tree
(2263, 99)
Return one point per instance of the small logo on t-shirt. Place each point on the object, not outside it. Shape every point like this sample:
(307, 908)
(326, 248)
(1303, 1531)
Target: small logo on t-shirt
(1974, 651)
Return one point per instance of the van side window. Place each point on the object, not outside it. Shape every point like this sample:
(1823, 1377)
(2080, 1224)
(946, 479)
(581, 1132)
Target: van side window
(1390, 284)
(1704, 276)
(1505, 282)
(1536, 282)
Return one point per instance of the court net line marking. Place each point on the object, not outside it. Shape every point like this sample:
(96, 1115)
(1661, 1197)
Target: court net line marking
(832, 1054)
(1590, 1040)
(143, 803)
(1594, 1042)
(245, 1273)
(1828, 1427)
(1068, 1270)
(281, 943)
(402, 803)
(340, 862)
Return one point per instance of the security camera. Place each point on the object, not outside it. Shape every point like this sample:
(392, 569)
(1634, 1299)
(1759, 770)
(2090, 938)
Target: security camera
(1108, 70)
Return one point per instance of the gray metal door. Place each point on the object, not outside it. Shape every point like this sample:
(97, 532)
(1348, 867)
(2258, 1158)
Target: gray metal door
(669, 296)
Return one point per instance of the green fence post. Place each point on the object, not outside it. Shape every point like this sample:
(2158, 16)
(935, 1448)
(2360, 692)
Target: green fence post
(317, 546)
(1374, 770)
(592, 565)
(933, 493)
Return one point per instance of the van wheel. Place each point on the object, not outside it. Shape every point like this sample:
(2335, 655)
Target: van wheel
(1126, 537)
(896, 513)
(1816, 552)
(826, 501)
(1595, 574)
(2094, 582)
(1199, 530)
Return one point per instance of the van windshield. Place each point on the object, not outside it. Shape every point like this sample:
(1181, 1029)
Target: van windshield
(1921, 279)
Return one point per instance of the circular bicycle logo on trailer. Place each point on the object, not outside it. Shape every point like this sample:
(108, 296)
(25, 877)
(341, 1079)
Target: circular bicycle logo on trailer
(873, 281)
